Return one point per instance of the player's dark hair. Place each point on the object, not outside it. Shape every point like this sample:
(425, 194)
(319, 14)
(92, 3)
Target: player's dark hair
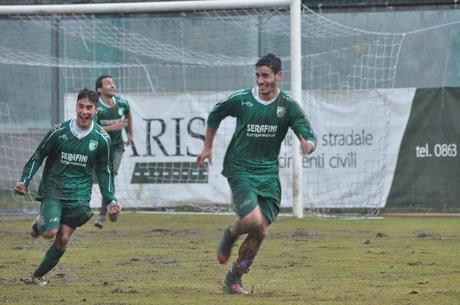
(89, 94)
(99, 80)
(271, 61)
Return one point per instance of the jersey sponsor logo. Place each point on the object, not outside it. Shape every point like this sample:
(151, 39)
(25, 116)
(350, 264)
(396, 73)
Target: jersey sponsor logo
(107, 122)
(74, 159)
(247, 103)
(256, 130)
(92, 145)
(280, 111)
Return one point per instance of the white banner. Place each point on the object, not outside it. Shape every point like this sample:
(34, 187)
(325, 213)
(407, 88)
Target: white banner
(358, 139)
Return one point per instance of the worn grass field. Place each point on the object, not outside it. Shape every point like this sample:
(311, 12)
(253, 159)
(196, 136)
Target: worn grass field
(170, 259)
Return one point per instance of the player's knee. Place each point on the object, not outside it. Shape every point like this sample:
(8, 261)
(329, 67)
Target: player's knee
(258, 231)
(62, 242)
(49, 233)
(261, 232)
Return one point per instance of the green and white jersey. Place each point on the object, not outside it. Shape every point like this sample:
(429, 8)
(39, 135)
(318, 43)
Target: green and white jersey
(70, 162)
(260, 129)
(109, 114)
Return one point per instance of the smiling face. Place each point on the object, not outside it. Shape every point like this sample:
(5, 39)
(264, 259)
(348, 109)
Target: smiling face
(108, 88)
(86, 109)
(267, 81)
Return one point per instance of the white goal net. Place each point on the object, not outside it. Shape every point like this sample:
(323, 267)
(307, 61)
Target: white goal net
(173, 67)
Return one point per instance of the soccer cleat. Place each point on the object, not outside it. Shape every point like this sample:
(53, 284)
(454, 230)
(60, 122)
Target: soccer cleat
(100, 222)
(225, 246)
(34, 231)
(39, 280)
(233, 285)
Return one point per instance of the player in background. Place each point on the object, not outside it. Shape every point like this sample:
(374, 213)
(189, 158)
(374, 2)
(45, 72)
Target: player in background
(74, 150)
(113, 115)
(263, 116)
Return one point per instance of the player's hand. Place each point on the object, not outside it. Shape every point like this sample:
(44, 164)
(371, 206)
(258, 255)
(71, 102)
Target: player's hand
(201, 159)
(307, 147)
(119, 124)
(114, 209)
(20, 188)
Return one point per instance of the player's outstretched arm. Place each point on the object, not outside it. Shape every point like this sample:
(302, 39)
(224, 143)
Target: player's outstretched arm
(20, 188)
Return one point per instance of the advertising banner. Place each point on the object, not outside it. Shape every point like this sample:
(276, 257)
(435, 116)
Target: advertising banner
(358, 133)
(427, 173)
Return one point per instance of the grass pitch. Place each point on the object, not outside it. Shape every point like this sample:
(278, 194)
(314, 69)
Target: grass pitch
(171, 259)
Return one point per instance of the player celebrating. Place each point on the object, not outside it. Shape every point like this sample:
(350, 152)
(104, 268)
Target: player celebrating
(263, 116)
(113, 115)
(74, 149)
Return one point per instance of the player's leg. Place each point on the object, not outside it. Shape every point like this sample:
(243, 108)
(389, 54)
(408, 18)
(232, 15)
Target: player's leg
(100, 221)
(47, 224)
(71, 218)
(53, 255)
(256, 226)
(244, 201)
(48, 221)
(117, 154)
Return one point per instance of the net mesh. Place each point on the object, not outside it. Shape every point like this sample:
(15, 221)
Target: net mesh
(172, 68)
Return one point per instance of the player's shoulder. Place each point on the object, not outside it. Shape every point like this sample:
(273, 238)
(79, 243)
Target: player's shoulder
(237, 96)
(241, 94)
(286, 98)
(120, 99)
(60, 127)
(101, 133)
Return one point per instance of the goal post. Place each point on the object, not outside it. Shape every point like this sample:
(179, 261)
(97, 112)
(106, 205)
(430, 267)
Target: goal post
(296, 92)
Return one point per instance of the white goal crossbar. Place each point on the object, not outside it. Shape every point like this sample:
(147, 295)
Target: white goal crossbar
(139, 7)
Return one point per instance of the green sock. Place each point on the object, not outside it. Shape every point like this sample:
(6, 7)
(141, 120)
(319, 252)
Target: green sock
(50, 260)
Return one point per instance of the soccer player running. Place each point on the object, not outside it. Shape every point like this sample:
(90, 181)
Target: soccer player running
(74, 150)
(113, 115)
(263, 116)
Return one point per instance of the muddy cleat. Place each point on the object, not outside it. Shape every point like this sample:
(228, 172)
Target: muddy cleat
(39, 280)
(100, 222)
(225, 246)
(233, 285)
(34, 232)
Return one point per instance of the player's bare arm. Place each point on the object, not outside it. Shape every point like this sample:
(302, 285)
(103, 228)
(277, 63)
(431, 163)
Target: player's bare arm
(206, 153)
(118, 125)
(129, 126)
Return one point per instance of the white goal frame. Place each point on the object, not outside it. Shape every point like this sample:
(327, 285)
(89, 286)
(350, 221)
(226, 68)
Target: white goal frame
(169, 6)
